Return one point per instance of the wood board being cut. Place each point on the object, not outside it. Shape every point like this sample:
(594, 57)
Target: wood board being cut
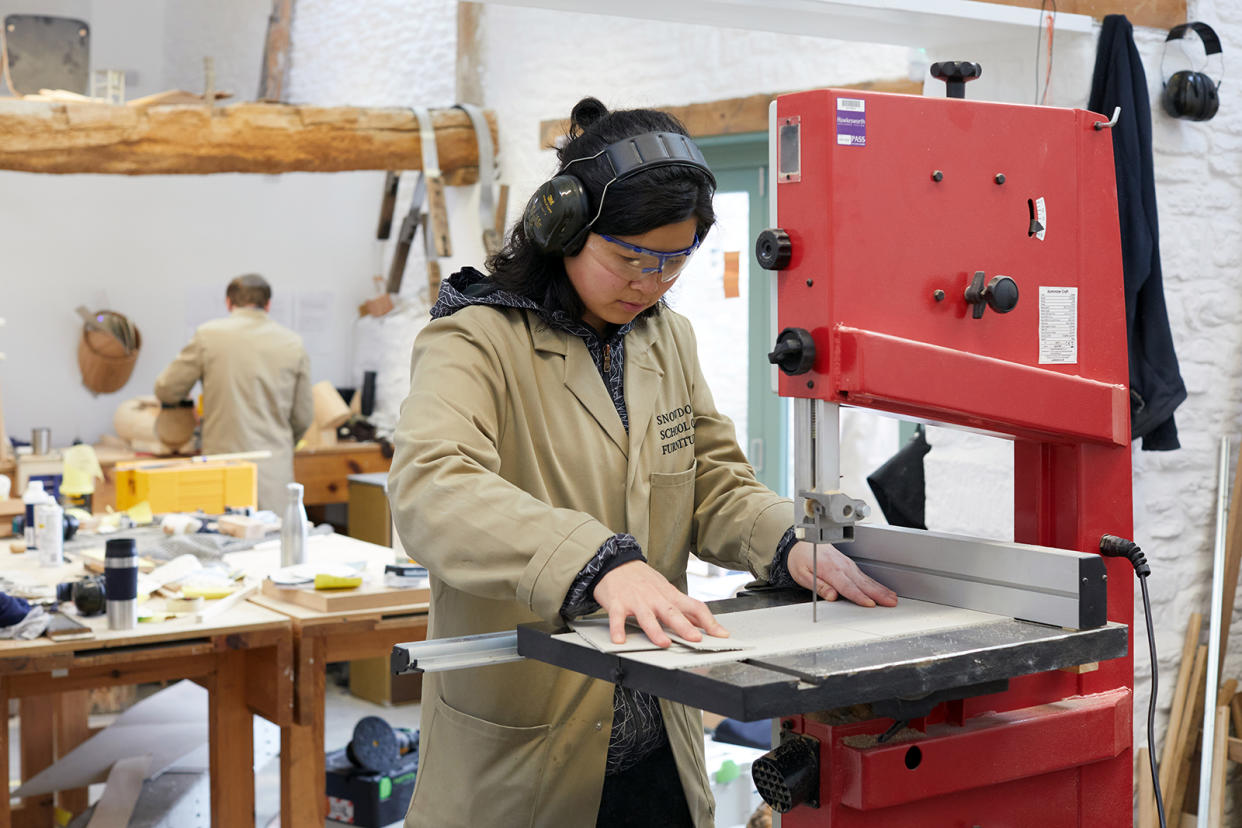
(367, 596)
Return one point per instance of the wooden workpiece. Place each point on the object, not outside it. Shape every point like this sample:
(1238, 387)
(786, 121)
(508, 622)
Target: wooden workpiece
(730, 116)
(97, 137)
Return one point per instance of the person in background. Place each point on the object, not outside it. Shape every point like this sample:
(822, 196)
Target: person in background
(559, 452)
(256, 385)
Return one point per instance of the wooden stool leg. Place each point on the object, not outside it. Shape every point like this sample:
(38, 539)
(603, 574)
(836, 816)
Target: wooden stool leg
(303, 800)
(5, 815)
(36, 750)
(72, 729)
(231, 750)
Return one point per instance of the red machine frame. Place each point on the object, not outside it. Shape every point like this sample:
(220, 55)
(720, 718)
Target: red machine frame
(892, 203)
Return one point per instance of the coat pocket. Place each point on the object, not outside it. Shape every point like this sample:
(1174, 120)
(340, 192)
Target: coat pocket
(672, 518)
(474, 772)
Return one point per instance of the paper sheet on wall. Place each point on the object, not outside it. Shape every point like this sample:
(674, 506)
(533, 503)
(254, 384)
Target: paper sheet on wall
(312, 316)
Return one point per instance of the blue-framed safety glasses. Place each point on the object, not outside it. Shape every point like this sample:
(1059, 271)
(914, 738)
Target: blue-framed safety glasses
(667, 265)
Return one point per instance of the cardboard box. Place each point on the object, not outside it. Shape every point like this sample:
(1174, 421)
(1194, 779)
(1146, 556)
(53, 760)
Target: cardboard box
(371, 800)
(372, 679)
(369, 516)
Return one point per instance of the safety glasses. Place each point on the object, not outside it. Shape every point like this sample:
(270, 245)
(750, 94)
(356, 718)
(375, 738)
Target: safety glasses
(629, 261)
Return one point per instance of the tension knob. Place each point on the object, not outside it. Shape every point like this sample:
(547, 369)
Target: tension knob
(1000, 294)
(773, 249)
(794, 352)
(955, 74)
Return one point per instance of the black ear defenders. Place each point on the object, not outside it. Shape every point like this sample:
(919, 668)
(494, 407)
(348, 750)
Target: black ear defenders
(1188, 94)
(558, 216)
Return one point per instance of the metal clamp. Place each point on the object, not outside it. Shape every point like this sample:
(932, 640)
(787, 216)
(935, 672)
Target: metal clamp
(487, 177)
(459, 653)
(1111, 122)
(829, 517)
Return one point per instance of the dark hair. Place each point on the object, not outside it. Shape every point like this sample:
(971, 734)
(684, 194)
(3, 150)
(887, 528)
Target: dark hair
(637, 204)
(249, 290)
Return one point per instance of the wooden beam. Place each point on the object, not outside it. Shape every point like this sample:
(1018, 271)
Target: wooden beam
(1146, 793)
(730, 116)
(469, 47)
(1157, 14)
(276, 52)
(61, 137)
(1177, 710)
(1187, 737)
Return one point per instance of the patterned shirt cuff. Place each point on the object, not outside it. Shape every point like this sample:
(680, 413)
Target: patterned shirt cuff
(778, 573)
(615, 551)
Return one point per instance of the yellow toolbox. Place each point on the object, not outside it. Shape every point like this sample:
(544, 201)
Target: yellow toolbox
(187, 486)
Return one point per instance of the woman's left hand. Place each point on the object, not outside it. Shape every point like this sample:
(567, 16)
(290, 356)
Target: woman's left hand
(838, 575)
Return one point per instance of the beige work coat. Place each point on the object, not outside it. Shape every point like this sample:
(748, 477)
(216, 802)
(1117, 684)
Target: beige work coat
(512, 467)
(256, 392)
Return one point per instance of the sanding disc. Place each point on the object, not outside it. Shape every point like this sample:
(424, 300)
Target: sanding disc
(374, 746)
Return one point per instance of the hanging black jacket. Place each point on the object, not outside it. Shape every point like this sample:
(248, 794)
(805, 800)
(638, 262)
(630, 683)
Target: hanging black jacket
(1156, 386)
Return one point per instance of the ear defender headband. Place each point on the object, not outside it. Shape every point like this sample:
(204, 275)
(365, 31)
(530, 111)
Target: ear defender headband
(557, 217)
(1187, 94)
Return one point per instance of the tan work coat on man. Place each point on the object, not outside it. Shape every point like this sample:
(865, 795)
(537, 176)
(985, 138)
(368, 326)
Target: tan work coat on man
(256, 392)
(512, 467)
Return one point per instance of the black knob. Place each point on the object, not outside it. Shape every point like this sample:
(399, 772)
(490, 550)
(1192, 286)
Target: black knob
(788, 775)
(773, 249)
(956, 74)
(794, 352)
(1002, 294)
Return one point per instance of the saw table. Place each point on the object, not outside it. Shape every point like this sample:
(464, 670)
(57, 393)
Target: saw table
(899, 672)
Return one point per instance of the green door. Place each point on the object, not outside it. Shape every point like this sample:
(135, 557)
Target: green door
(740, 165)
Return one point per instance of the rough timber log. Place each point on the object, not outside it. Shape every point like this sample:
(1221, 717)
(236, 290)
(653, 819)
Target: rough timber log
(95, 137)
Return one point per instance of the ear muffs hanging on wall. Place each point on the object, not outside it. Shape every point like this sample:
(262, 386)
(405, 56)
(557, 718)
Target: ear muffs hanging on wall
(557, 217)
(1189, 94)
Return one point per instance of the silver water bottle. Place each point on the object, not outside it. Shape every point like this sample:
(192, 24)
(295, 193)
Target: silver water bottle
(293, 529)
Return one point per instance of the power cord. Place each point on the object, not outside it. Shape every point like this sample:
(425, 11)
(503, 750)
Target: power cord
(1112, 546)
(1051, 24)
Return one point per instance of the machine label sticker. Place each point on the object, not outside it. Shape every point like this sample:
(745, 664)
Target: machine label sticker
(851, 122)
(1058, 325)
(1041, 214)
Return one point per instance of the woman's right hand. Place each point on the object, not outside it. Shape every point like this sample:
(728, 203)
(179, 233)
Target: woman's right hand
(636, 589)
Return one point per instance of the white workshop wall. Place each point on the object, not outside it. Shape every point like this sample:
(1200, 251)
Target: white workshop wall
(161, 249)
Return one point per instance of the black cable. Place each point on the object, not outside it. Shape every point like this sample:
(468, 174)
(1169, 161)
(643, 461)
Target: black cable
(1115, 547)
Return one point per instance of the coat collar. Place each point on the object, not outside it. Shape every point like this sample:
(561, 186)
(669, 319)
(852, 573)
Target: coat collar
(642, 383)
(581, 377)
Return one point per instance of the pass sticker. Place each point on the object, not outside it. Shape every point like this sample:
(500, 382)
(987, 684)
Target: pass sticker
(851, 122)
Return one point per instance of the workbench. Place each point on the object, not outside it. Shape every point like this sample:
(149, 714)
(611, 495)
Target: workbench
(324, 471)
(320, 637)
(243, 658)
(263, 656)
